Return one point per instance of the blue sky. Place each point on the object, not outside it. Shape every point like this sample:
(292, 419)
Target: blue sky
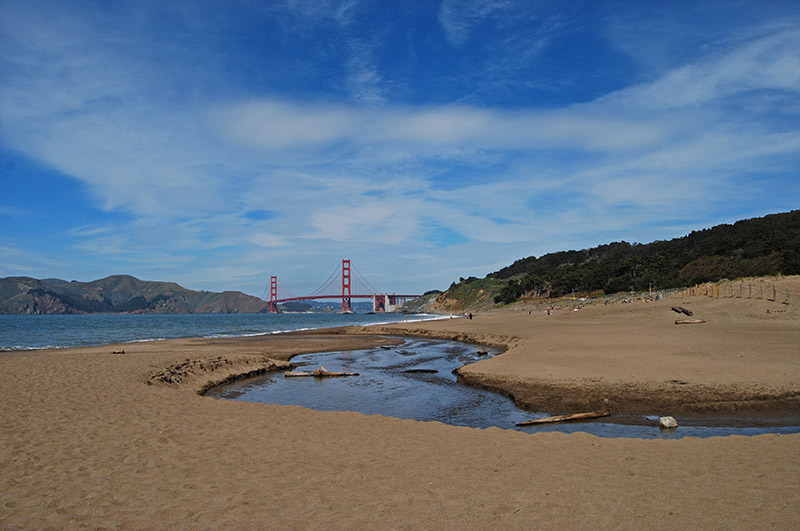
(217, 143)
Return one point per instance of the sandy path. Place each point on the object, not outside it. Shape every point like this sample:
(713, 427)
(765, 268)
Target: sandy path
(86, 442)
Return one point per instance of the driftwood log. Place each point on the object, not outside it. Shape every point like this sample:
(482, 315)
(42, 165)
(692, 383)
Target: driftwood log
(323, 373)
(564, 418)
(689, 321)
(681, 309)
(296, 374)
(319, 373)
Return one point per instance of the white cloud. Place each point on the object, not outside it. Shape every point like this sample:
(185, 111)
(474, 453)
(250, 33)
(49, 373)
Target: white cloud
(274, 126)
(265, 239)
(768, 63)
(366, 178)
(458, 17)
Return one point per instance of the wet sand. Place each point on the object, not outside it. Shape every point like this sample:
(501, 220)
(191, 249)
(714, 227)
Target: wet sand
(101, 440)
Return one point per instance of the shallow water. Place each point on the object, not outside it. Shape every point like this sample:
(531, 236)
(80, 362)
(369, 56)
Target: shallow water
(386, 387)
(26, 332)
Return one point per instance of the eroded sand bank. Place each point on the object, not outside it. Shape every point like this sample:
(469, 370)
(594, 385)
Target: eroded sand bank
(91, 438)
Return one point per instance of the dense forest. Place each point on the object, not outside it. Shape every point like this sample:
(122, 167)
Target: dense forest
(752, 247)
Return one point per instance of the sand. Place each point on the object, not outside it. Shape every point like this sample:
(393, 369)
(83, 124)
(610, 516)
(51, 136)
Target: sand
(100, 440)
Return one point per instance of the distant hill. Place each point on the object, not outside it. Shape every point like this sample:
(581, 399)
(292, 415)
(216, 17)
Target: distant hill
(754, 247)
(118, 293)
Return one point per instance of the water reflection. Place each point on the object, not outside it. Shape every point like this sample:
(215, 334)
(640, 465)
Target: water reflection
(416, 381)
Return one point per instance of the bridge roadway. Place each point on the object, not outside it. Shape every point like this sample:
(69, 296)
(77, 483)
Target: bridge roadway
(391, 296)
(310, 297)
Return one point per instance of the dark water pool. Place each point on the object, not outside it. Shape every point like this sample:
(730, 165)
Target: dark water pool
(415, 381)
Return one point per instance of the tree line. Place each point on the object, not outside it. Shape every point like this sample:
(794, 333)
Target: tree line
(754, 247)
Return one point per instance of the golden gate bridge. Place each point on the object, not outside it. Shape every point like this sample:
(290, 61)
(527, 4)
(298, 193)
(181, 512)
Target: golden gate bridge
(330, 289)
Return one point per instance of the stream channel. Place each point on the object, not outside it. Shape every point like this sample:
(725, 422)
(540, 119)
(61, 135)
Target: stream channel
(415, 380)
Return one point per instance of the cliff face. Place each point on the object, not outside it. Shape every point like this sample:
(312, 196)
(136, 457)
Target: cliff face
(470, 294)
(118, 293)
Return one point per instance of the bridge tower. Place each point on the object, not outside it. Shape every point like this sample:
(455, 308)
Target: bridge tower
(273, 294)
(346, 308)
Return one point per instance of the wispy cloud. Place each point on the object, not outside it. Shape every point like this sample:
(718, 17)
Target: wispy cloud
(458, 18)
(215, 180)
(276, 125)
(769, 63)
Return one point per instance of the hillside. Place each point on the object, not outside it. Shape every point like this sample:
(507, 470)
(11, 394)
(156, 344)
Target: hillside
(754, 247)
(118, 293)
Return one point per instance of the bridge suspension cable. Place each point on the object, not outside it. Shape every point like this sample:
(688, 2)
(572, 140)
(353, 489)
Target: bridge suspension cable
(360, 277)
(278, 293)
(285, 293)
(328, 283)
(285, 290)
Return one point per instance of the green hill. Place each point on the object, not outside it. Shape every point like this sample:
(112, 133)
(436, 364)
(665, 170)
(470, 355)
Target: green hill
(754, 247)
(118, 293)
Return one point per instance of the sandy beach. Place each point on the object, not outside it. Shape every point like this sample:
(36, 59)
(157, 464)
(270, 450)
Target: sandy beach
(102, 440)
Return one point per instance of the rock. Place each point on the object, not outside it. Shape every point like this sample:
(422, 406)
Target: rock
(666, 423)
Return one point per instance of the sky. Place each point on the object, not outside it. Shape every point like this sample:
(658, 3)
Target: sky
(215, 144)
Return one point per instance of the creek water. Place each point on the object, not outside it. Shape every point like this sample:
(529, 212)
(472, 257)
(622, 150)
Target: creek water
(415, 380)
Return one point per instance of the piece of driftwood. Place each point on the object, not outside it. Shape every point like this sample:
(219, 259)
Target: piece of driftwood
(296, 374)
(681, 309)
(689, 321)
(323, 373)
(564, 418)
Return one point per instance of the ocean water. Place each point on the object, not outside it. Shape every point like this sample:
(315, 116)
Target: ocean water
(27, 332)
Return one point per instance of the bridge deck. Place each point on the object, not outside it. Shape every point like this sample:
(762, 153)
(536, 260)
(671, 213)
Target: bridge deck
(340, 296)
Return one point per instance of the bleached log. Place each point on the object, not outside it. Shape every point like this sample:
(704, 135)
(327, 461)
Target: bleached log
(564, 418)
(324, 373)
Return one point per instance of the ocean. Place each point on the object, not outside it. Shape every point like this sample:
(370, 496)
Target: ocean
(29, 332)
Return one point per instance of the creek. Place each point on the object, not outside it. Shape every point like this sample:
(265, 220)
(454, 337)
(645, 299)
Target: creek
(415, 380)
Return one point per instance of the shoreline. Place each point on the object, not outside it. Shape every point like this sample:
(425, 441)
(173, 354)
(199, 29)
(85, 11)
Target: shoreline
(10, 349)
(693, 401)
(557, 396)
(85, 441)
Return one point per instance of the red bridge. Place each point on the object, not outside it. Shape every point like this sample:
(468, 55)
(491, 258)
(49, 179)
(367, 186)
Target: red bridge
(381, 302)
